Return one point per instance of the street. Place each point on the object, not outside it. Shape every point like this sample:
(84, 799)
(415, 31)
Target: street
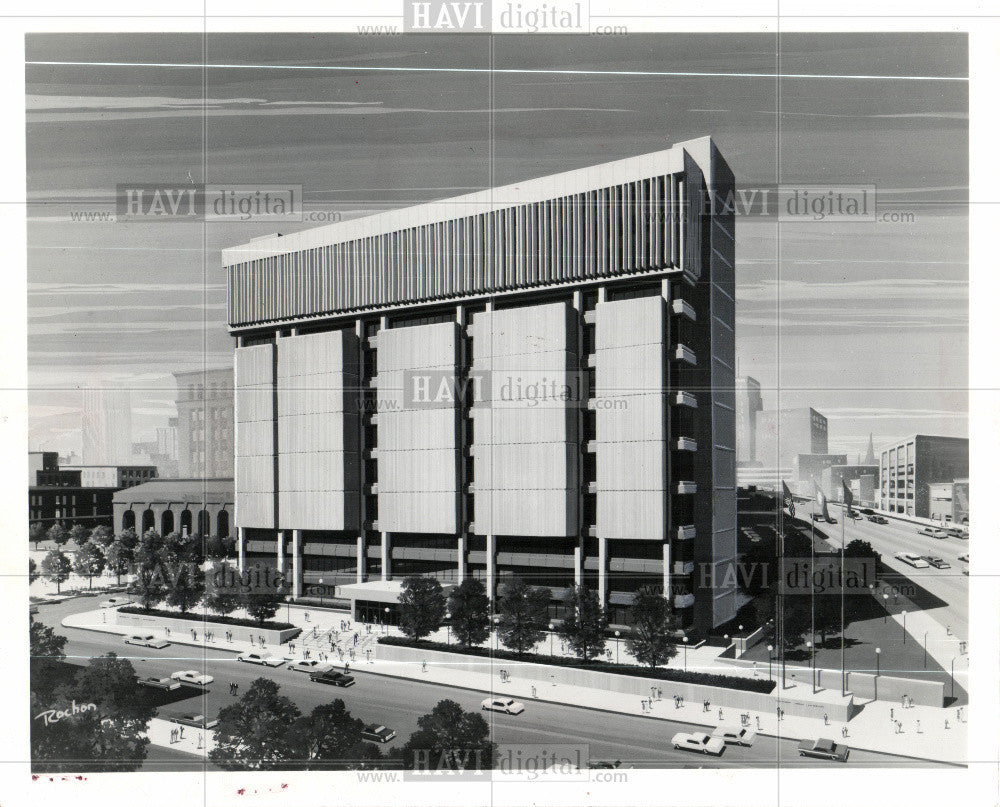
(398, 703)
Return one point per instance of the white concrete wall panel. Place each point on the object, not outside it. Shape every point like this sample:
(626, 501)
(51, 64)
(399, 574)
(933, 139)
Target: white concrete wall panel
(254, 416)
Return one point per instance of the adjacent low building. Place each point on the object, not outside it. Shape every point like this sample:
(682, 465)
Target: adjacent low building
(192, 506)
(949, 501)
(836, 476)
(909, 468)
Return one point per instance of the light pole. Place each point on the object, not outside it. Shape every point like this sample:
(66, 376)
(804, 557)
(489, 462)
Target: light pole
(770, 649)
(552, 629)
(619, 633)
(904, 626)
(925, 648)
(387, 620)
(812, 653)
(878, 668)
(953, 676)
(686, 655)
(496, 633)
(885, 605)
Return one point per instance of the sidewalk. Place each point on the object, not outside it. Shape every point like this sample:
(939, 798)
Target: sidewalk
(872, 729)
(194, 741)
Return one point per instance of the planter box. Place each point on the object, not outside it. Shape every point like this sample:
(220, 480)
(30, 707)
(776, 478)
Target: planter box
(183, 627)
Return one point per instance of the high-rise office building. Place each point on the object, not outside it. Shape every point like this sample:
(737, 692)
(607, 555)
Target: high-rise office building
(748, 403)
(533, 380)
(784, 434)
(204, 425)
(107, 425)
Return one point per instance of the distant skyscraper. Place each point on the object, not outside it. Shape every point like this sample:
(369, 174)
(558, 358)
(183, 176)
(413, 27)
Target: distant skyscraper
(784, 434)
(870, 456)
(107, 425)
(205, 423)
(748, 404)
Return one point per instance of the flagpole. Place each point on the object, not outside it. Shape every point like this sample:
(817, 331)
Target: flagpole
(779, 597)
(848, 501)
(812, 594)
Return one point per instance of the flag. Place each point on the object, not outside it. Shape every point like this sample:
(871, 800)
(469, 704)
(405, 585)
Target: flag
(848, 496)
(821, 501)
(787, 501)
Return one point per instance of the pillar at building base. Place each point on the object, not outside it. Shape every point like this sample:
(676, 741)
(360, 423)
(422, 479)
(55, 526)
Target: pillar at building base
(281, 552)
(360, 574)
(461, 558)
(240, 540)
(490, 566)
(578, 563)
(296, 564)
(666, 569)
(602, 571)
(386, 556)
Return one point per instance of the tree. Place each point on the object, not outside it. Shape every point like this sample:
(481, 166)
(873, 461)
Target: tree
(524, 614)
(215, 547)
(328, 735)
(421, 606)
(583, 628)
(449, 738)
(222, 592)
(148, 585)
(89, 562)
(112, 737)
(120, 553)
(57, 534)
(180, 548)
(650, 640)
(262, 600)
(46, 652)
(470, 612)
(796, 620)
(36, 533)
(33, 573)
(862, 549)
(253, 733)
(102, 536)
(186, 586)
(78, 534)
(56, 567)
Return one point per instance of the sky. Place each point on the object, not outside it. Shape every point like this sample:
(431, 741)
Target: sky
(865, 321)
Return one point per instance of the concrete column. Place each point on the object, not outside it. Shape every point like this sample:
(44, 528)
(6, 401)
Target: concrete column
(386, 556)
(602, 571)
(296, 564)
(362, 551)
(281, 551)
(461, 557)
(666, 569)
(490, 566)
(578, 563)
(240, 539)
(602, 294)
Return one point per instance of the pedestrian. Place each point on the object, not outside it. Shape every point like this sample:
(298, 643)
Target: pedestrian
(918, 728)
(959, 714)
(251, 640)
(181, 735)
(758, 722)
(167, 630)
(347, 667)
(171, 736)
(899, 727)
(307, 616)
(843, 732)
(902, 702)
(642, 702)
(946, 724)
(826, 719)
(720, 715)
(892, 714)
(534, 694)
(201, 741)
(236, 689)
(423, 668)
(755, 669)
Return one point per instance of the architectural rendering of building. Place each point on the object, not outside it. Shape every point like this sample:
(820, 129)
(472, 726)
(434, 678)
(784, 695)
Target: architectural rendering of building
(204, 425)
(194, 506)
(949, 501)
(80, 494)
(784, 434)
(532, 380)
(836, 476)
(107, 425)
(748, 404)
(910, 467)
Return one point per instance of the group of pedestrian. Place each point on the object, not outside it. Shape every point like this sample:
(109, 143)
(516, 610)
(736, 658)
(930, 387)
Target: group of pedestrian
(176, 735)
(706, 705)
(678, 701)
(234, 688)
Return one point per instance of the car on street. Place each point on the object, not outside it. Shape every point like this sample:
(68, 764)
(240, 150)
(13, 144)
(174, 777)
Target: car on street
(337, 679)
(958, 532)
(854, 515)
(309, 665)
(195, 721)
(824, 749)
(936, 562)
(114, 602)
(876, 519)
(506, 705)
(964, 558)
(915, 561)
(261, 658)
(735, 735)
(192, 677)
(699, 742)
(375, 733)
(933, 532)
(147, 640)
(866, 511)
(159, 683)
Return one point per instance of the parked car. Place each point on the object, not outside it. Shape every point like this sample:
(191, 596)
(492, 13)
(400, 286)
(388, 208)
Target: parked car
(866, 511)
(824, 749)
(933, 532)
(114, 602)
(337, 679)
(192, 677)
(261, 658)
(936, 562)
(735, 735)
(375, 733)
(147, 640)
(310, 665)
(964, 558)
(915, 561)
(700, 742)
(195, 721)
(854, 515)
(875, 519)
(159, 683)
(958, 532)
(506, 705)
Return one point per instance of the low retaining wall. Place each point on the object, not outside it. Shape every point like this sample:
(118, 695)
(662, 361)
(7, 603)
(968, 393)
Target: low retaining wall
(622, 684)
(240, 633)
(864, 685)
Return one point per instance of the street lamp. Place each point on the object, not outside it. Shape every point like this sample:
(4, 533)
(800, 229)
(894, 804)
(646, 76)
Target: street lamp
(387, 620)
(925, 648)
(496, 633)
(617, 634)
(885, 605)
(878, 668)
(904, 626)
(686, 654)
(552, 628)
(770, 650)
(812, 653)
